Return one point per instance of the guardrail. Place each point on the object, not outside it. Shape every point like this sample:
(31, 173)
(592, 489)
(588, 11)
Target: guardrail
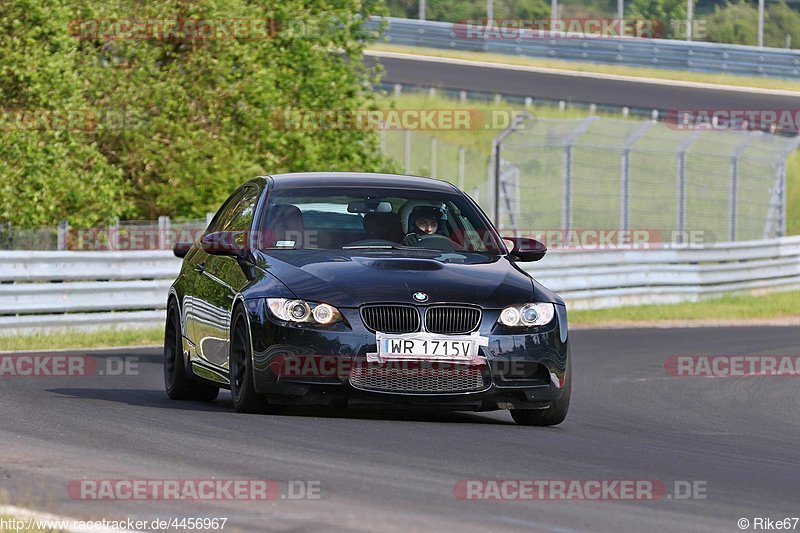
(659, 53)
(590, 279)
(47, 291)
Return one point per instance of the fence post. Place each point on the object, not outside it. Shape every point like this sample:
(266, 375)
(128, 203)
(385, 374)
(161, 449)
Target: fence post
(63, 235)
(497, 152)
(682, 149)
(163, 228)
(209, 218)
(114, 241)
(625, 178)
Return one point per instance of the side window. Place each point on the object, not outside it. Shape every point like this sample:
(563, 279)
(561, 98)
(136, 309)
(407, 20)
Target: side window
(237, 212)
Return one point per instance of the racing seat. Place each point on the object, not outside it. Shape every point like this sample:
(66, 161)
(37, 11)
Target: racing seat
(284, 227)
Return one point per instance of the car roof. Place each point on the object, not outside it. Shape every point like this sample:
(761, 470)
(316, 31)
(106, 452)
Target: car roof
(358, 179)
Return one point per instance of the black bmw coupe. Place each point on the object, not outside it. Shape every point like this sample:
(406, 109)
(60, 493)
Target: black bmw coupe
(349, 289)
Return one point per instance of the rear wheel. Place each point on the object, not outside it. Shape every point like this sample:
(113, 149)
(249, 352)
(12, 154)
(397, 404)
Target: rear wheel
(176, 379)
(240, 365)
(557, 411)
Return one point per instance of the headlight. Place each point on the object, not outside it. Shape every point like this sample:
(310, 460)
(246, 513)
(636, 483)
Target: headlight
(527, 315)
(302, 311)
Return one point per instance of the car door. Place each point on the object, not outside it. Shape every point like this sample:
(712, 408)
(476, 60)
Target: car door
(220, 279)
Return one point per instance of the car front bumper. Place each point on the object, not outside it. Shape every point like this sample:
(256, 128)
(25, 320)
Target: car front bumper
(299, 364)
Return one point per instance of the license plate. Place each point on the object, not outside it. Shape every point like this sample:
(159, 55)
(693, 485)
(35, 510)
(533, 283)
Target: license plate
(429, 346)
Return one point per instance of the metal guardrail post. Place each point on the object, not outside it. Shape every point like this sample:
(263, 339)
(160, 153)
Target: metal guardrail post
(684, 147)
(625, 178)
(734, 191)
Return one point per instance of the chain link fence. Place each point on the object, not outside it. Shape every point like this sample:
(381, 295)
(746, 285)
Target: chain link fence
(625, 174)
(617, 174)
(554, 174)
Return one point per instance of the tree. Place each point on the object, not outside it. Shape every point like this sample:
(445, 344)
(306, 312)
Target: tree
(183, 116)
(735, 23)
(666, 14)
(205, 109)
(48, 170)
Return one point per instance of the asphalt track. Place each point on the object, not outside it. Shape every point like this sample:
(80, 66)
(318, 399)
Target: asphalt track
(548, 86)
(395, 471)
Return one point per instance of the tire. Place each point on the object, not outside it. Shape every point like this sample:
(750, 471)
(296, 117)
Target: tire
(176, 378)
(552, 416)
(240, 366)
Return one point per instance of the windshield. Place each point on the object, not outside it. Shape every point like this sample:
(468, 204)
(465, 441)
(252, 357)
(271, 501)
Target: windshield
(337, 218)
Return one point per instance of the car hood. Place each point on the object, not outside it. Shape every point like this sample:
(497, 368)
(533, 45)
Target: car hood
(350, 280)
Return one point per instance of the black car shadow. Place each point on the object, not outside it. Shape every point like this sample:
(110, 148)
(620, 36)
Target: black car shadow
(158, 399)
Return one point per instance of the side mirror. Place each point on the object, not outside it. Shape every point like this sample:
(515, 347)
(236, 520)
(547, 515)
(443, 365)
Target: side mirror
(229, 243)
(181, 249)
(526, 249)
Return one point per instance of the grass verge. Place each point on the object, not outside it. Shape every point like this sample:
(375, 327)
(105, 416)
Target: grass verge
(639, 72)
(772, 306)
(793, 194)
(96, 339)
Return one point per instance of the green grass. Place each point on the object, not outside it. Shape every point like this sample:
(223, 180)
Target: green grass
(774, 305)
(666, 74)
(793, 194)
(98, 339)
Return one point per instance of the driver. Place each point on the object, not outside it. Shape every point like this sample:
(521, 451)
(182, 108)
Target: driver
(424, 220)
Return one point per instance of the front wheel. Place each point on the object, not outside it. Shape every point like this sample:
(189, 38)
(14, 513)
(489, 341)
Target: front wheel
(176, 379)
(240, 365)
(552, 416)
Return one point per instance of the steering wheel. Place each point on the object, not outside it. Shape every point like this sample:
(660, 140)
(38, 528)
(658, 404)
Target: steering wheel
(436, 241)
